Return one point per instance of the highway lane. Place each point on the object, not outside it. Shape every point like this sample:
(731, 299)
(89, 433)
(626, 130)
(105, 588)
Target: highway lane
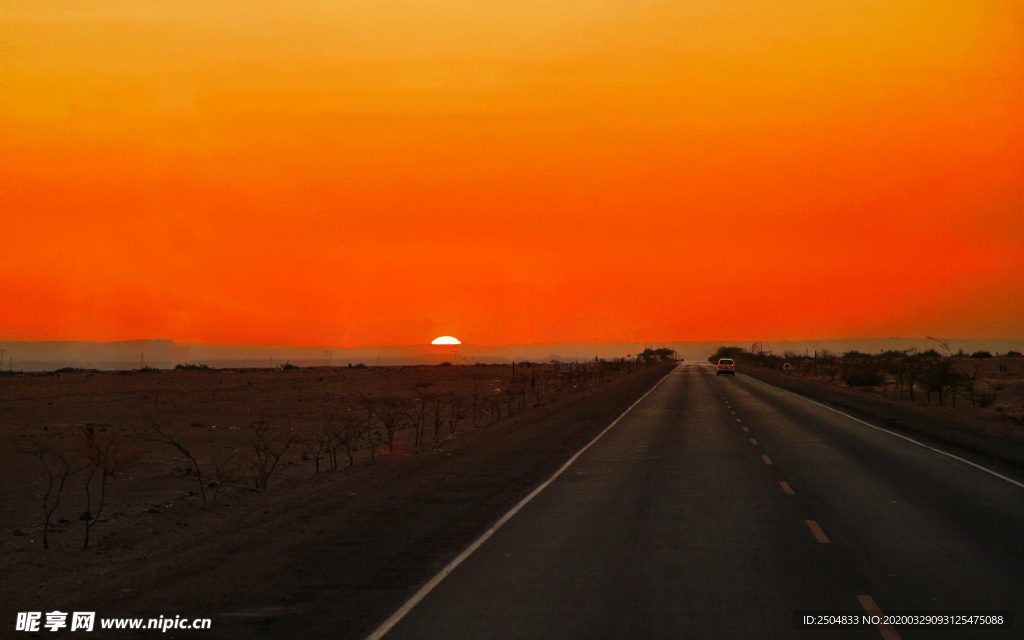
(920, 531)
(718, 507)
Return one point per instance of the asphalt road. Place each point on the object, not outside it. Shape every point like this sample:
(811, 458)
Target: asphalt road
(721, 507)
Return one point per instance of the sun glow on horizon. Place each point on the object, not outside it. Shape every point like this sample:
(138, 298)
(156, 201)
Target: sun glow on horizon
(446, 340)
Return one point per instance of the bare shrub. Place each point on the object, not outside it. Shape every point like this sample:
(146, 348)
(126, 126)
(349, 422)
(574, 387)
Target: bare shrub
(157, 433)
(105, 455)
(437, 405)
(828, 365)
(343, 436)
(316, 445)
(58, 469)
(268, 446)
(940, 376)
(455, 401)
(372, 436)
(391, 411)
(227, 471)
(418, 414)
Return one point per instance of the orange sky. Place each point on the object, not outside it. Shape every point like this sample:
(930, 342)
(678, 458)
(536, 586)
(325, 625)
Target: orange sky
(370, 172)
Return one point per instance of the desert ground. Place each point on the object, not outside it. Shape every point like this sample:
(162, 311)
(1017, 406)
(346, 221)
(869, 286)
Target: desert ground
(226, 493)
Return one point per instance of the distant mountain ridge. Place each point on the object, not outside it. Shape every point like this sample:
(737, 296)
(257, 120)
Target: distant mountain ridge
(165, 354)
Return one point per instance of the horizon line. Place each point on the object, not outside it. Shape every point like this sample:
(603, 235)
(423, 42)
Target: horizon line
(508, 344)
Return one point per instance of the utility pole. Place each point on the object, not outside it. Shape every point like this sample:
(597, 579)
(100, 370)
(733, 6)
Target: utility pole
(329, 356)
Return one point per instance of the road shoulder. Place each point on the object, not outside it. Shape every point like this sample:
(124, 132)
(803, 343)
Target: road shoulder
(948, 432)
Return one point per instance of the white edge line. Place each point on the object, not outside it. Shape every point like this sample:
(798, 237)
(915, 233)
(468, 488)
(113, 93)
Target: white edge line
(898, 435)
(404, 610)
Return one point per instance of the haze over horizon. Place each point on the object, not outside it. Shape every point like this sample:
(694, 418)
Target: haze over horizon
(365, 173)
(165, 354)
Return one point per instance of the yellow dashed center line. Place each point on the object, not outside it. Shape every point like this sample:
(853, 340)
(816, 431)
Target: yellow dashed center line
(766, 459)
(819, 535)
(753, 442)
(746, 429)
(738, 420)
(785, 487)
(888, 633)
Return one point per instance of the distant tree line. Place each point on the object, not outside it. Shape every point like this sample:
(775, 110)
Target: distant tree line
(939, 374)
(658, 355)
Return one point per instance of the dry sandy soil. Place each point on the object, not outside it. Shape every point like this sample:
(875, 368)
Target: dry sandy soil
(326, 554)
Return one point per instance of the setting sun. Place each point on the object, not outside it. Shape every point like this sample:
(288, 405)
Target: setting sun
(445, 340)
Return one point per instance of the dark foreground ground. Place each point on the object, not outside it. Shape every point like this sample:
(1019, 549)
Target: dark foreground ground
(328, 555)
(332, 555)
